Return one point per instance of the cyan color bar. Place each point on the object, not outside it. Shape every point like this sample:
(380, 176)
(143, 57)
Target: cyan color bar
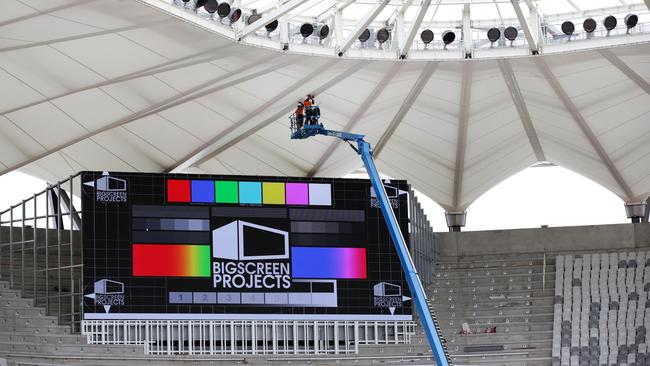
(250, 193)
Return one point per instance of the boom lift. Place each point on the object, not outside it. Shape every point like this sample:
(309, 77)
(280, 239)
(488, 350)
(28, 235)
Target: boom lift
(313, 128)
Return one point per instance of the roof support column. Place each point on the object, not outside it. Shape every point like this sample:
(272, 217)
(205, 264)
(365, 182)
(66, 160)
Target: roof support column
(532, 44)
(361, 26)
(399, 31)
(405, 46)
(461, 140)
(455, 220)
(637, 212)
(284, 31)
(338, 26)
(467, 32)
(535, 22)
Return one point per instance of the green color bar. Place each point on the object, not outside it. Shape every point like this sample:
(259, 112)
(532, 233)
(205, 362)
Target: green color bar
(226, 192)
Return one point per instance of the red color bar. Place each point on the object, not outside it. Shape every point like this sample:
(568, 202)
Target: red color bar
(179, 190)
(171, 260)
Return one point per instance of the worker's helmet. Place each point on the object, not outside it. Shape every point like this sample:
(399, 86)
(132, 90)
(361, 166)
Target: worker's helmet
(300, 104)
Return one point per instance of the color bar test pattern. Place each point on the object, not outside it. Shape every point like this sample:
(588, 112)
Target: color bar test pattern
(249, 192)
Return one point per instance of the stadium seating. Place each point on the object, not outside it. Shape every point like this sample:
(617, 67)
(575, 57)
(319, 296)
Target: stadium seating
(494, 309)
(601, 312)
(28, 337)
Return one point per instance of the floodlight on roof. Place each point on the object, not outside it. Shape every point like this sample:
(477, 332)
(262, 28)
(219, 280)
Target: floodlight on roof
(224, 10)
(253, 18)
(322, 31)
(306, 30)
(493, 35)
(631, 21)
(383, 35)
(610, 23)
(511, 34)
(448, 37)
(364, 36)
(235, 15)
(568, 28)
(426, 36)
(271, 26)
(211, 6)
(589, 25)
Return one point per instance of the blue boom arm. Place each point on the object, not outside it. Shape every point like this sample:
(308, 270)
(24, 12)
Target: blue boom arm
(364, 150)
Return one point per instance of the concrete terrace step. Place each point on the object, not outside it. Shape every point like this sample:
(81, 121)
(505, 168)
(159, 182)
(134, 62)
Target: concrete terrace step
(485, 289)
(481, 262)
(460, 276)
(515, 359)
(70, 349)
(535, 279)
(513, 318)
(23, 359)
(29, 337)
(491, 311)
(478, 338)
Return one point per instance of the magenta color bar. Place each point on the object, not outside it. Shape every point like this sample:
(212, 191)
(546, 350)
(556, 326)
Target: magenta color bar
(297, 193)
(317, 262)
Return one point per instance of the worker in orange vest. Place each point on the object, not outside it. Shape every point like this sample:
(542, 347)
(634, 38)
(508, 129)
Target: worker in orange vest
(309, 102)
(300, 114)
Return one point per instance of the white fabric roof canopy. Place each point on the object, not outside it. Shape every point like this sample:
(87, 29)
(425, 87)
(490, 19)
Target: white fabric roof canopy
(119, 86)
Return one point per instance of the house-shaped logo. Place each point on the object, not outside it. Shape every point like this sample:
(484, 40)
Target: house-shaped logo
(392, 192)
(388, 295)
(107, 293)
(109, 287)
(387, 289)
(108, 184)
(241, 240)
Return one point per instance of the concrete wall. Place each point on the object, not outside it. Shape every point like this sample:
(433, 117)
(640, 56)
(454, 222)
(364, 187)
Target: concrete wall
(555, 239)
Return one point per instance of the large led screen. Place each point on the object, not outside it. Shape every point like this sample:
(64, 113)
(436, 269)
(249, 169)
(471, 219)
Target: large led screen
(159, 246)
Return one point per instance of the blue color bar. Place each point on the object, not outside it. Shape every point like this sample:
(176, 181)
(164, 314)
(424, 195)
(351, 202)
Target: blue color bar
(203, 191)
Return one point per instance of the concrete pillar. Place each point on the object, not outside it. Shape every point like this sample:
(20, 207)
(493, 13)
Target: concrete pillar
(637, 211)
(455, 220)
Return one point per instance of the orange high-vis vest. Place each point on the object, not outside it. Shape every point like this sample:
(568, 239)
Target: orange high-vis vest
(307, 102)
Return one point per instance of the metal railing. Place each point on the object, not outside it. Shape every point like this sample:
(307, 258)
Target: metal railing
(248, 337)
(424, 250)
(40, 250)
